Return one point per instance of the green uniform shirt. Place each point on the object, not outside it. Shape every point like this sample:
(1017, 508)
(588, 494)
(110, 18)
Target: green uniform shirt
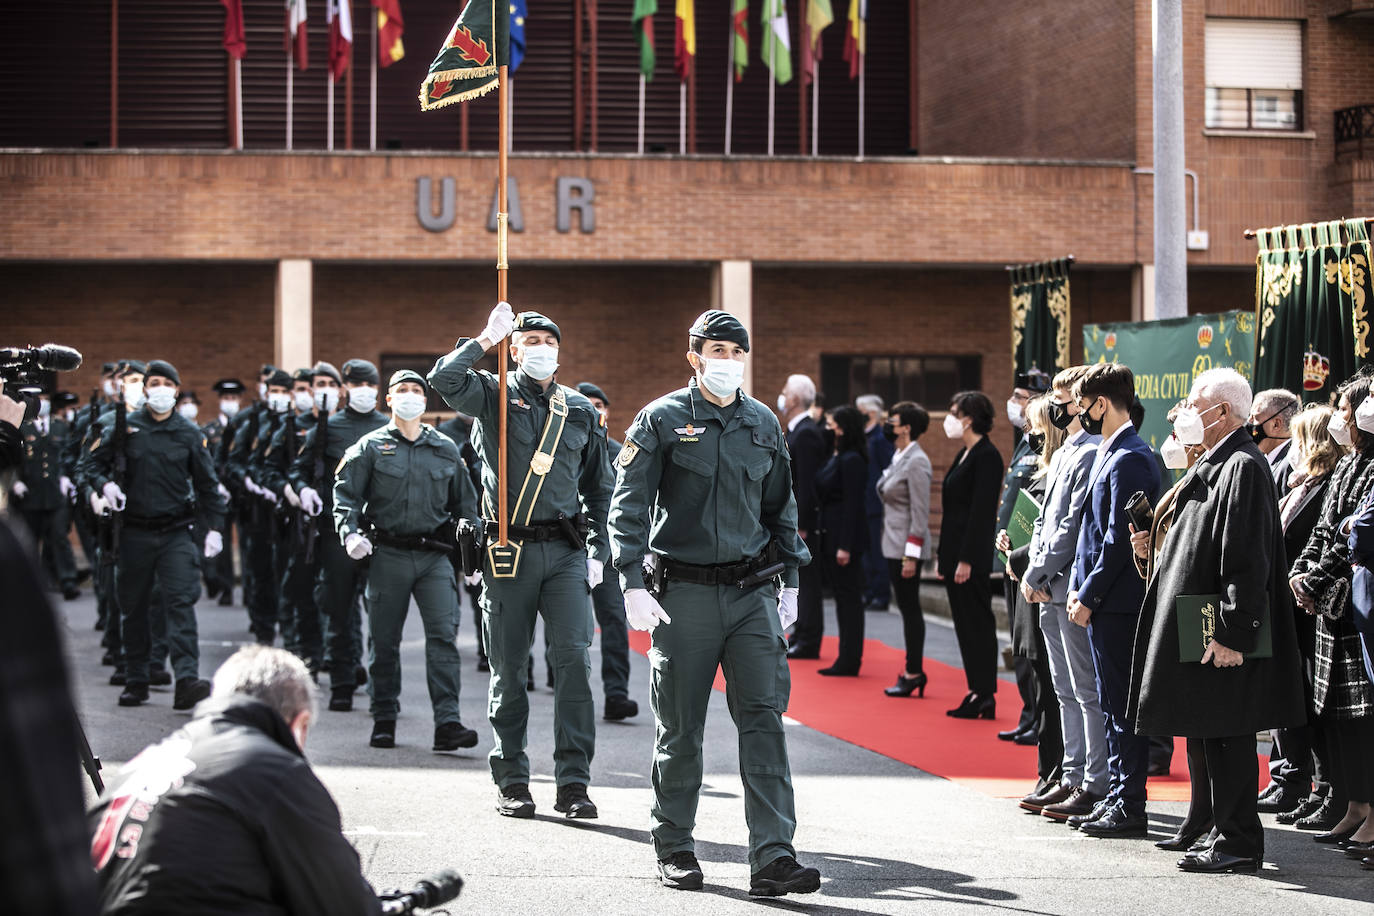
(167, 467)
(580, 479)
(704, 485)
(251, 439)
(277, 460)
(44, 464)
(345, 427)
(404, 488)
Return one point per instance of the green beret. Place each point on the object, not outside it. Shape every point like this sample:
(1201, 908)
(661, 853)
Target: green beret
(163, 368)
(107, 368)
(324, 368)
(406, 375)
(278, 379)
(131, 365)
(717, 325)
(588, 390)
(266, 370)
(533, 321)
(360, 370)
(303, 375)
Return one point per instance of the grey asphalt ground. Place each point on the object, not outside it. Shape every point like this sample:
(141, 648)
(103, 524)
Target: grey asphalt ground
(888, 838)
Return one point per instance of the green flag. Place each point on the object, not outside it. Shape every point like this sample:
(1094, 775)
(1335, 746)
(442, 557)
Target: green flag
(741, 37)
(476, 47)
(643, 20)
(777, 44)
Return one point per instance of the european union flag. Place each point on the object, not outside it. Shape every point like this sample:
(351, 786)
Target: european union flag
(517, 33)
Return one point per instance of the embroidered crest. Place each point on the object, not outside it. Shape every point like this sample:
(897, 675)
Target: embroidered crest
(627, 454)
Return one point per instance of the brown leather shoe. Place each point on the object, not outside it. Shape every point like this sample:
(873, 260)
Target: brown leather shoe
(1052, 796)
(1080, 803)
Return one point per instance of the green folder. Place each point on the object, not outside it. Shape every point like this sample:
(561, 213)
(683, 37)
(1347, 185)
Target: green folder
(1197, 621)
(1022, 524)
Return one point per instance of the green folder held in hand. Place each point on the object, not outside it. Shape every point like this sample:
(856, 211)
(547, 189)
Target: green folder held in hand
(1022, 524)
(1197, 625)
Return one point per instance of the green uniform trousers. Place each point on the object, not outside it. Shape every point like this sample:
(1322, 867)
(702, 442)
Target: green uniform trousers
(172, 559)
(739, 631)
(336, 595)
(550, 580)
(394, 575)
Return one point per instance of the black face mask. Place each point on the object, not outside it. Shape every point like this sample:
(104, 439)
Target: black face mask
(889, 432)
(1060, 416)
(1090, 426)
(1037, 442)
(1256, 431)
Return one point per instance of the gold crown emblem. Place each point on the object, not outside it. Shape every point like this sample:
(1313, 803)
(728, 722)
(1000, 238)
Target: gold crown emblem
(1315, 369)
(1204, 336)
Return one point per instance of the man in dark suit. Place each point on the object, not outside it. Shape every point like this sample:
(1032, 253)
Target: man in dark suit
(1268, 425)
(806, 443)
(1105, 591)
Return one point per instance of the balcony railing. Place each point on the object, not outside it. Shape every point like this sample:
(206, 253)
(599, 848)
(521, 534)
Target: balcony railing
(1355, 132)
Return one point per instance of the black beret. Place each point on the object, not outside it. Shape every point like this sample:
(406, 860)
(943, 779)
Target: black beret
(324, 368)
(714, 324)
(303, 375)
(591, 391)
(407, 375)
(131, 365)
(533, 321)
(189, 396)
(278, 379)
(266, 370)
(107, 368)
(227, 386)
(1036, 381)
(65, 399)
(360, 370)
(163, 368)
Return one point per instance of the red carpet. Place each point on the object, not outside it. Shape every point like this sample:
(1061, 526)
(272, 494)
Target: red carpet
(917, 732)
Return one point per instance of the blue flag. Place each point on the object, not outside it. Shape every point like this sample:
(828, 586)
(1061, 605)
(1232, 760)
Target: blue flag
(517, 33)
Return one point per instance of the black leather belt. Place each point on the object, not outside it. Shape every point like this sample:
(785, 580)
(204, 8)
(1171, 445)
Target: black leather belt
(434, 541)
(157, 523)
(720, 574)
(535, 531)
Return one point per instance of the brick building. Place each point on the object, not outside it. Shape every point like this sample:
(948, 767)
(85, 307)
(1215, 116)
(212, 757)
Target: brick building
(1001, 135)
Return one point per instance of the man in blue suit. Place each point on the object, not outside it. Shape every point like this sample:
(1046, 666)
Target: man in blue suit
(1105, 591)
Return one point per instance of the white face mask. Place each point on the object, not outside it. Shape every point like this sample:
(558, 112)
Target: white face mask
(278, 402)
(303, 401)
(1188, 426)
(1015, 415)
(1174, 454)
(69, 415)
(1364, 415)
(228, 408)
(327, 399)
(722, 377)
(954, 427)
(362, 399)
(262, 391)
(407, 405)
(540, 361)
(1339, 430)
(189, 410)
(162, 399)
(44, 408)
(108, 387)
(133, 396)
(782, 403)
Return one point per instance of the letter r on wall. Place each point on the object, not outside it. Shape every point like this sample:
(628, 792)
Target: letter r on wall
(579, 194)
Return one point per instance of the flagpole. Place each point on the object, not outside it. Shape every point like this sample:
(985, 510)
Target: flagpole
(329, 144)
(502, 267)
(730, 86)
(641, 113)
(348, 101)
(772, 78)
(372, 106)
(290, 98)
(682, 118)
(863, 64)
(238, 103)
(815, 108)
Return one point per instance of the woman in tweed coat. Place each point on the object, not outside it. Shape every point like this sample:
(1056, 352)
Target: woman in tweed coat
(1320, 578)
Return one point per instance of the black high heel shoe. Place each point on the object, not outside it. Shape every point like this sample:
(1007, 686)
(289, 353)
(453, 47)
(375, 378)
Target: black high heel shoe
(975, 707)
(906, 685)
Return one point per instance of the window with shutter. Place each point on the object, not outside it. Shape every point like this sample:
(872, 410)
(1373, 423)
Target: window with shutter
(1254, 74)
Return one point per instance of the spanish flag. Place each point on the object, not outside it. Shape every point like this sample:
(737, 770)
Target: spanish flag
(390, 27)
(856, 36)
(686, 46)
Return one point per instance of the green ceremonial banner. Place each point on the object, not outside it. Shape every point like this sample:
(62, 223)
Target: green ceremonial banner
(476, 48)
(1040, 316)
(1313, 293)
(1167, 355)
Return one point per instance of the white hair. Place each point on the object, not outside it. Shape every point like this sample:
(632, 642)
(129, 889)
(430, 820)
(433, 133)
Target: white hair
(274, 676)
(802, 387)
(869, 403)
(1226, 386)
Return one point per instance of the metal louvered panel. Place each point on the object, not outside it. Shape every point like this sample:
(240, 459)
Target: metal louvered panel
(173, 90)
(54, 74)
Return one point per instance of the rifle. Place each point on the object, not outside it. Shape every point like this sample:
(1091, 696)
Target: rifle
(294, 517)
(113, 522)
(317, 472)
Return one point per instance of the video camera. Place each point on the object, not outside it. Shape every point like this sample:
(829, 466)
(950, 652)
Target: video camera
(427, 893)
(25, 371)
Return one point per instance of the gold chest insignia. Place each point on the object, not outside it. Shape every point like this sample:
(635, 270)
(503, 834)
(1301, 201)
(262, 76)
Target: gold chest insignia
(541, 463)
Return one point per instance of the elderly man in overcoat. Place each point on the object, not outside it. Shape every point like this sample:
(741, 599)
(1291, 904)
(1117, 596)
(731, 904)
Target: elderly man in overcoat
(1227, 541)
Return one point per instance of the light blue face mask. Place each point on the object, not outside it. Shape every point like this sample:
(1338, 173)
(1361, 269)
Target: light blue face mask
(407, 405)
(539, 362)
(722, 377)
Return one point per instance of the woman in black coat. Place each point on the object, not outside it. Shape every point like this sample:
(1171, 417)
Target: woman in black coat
(840, 488)
(968, 500)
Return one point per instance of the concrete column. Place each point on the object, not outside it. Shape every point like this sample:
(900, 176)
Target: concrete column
(732, 290)
(1170, 215)
(291, 320)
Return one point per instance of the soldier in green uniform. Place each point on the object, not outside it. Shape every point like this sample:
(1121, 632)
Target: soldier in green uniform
(84, 417)
(400, 491)
(247, 509)
(559, 486)
(170, 484)
(340, 578)
(704, 482)
(219, 572)
(43, 490)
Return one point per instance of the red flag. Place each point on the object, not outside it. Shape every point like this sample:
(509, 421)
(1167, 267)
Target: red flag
(234, 43)
(390, 28)
(340, 15)
(295, 39)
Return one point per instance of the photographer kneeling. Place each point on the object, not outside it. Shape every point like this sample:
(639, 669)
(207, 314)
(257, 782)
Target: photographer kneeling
(226, 815)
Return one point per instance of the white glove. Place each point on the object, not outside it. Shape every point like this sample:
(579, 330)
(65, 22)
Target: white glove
(251, 487)
(19, 489)
(499, 323)
(311, 502)
(787, 607)
(99, 504)
(291, 497)
(68, 488)
(214, 543)
(642, 610)
(357, 546)
(114, 496)
(223, 491)
(595, 571)
(474, 579)
(268, 495)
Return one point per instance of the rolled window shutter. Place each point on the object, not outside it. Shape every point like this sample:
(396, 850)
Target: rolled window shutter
(1254, 54)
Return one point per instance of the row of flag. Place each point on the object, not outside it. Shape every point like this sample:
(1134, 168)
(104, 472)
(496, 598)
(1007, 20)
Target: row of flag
(776, 50)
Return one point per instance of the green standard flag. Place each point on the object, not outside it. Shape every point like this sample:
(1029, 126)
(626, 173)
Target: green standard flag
(741, 37)
(643, 20)
(467, 65)
(777, 44)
